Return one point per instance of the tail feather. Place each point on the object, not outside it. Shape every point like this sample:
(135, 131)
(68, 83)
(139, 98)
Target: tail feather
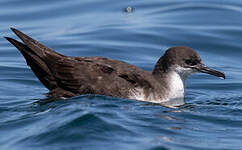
(38, 48)
(34, 55)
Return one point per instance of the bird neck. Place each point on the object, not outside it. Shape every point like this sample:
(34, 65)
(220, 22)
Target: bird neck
(174, 84)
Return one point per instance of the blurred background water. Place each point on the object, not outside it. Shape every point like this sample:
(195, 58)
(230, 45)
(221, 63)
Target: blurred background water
(211, 119)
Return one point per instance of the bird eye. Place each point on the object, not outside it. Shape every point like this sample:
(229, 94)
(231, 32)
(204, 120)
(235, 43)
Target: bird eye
(188, 61)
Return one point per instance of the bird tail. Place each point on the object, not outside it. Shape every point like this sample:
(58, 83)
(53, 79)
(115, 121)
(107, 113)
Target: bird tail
(38, 57)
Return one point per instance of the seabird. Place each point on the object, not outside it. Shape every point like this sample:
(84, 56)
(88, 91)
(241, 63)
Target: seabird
(66, 76)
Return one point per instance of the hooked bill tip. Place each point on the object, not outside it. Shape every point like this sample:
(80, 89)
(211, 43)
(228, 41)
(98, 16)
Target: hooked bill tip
(205, 69)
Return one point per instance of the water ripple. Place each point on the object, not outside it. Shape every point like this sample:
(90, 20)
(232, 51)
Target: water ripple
(211, 119)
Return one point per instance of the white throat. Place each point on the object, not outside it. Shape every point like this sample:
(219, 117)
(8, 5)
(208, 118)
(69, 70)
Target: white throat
(176, 85)
(176, 82)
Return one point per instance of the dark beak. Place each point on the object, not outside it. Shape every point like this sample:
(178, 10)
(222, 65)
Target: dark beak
(204, 69)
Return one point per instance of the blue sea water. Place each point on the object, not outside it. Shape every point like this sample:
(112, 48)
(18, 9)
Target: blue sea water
(210, 119)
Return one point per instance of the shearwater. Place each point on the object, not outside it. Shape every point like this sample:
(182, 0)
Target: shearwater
(71, 76)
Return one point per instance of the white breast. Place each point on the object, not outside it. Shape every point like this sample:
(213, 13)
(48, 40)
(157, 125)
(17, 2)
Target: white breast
(174, 94)
(175, 90)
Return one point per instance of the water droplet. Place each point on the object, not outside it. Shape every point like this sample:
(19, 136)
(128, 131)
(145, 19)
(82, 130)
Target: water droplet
(129, 9)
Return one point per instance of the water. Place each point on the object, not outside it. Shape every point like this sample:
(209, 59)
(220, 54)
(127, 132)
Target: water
(211, 119)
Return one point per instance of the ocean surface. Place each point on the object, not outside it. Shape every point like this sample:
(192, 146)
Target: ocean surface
(138, 32)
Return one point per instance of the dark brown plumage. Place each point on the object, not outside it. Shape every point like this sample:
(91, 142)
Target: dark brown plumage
(70, 76)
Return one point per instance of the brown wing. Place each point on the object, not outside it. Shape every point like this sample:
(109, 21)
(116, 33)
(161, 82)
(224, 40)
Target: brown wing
(132, 74)
(97, 75)
(85, 76)
(70, 76)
